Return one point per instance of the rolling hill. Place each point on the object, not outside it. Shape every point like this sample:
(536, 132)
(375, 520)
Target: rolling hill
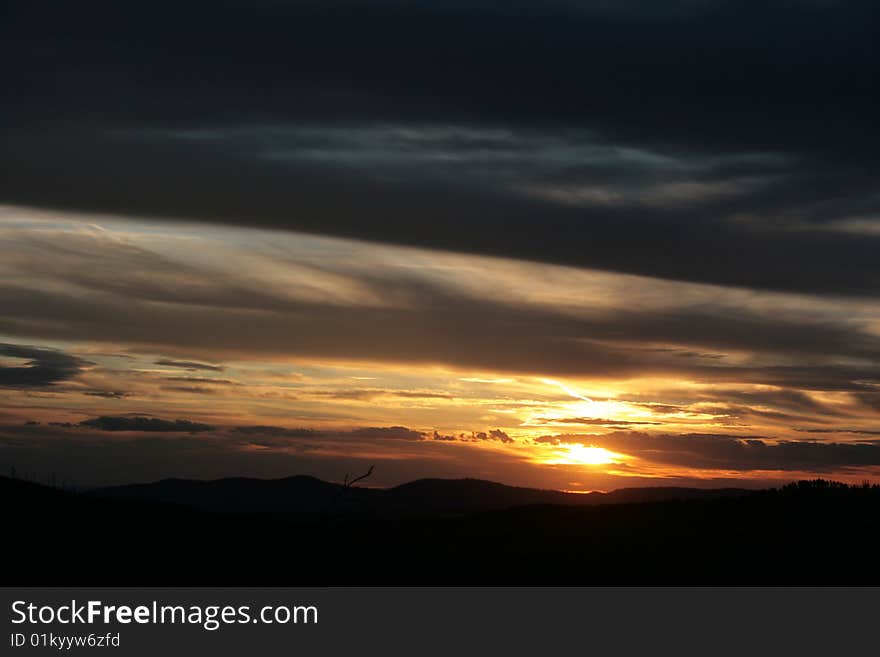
(304, 494)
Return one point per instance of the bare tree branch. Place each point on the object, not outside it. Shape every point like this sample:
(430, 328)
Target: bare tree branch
(349, 484)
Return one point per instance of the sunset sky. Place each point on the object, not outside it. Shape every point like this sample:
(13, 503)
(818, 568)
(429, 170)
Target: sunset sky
(570, 245)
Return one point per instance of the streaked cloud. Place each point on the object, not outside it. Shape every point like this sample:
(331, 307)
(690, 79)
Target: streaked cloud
(41, 367)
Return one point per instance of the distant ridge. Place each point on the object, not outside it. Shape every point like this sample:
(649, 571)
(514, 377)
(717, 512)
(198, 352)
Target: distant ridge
(305, 494)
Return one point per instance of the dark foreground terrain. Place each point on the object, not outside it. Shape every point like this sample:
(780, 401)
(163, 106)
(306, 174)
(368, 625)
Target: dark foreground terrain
(301, 531)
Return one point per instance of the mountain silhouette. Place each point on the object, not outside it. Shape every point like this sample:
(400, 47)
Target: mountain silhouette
(436, 532)
(304, 494)
(297, 494)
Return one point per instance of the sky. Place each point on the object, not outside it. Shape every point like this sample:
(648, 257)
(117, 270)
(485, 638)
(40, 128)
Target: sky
(571, 245)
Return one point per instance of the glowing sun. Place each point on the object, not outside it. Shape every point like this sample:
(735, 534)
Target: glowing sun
(578, 454)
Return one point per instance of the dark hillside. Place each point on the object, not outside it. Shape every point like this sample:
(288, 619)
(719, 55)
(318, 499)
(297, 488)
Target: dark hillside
(808, 533)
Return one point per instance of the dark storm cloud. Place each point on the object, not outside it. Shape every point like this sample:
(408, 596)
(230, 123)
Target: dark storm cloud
(140, 423)
(43, 367)
(724, 452)
(705, 141)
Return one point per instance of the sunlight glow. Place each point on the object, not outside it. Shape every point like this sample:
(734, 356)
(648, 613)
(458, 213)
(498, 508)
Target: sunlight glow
(566, 389)
(579, 454)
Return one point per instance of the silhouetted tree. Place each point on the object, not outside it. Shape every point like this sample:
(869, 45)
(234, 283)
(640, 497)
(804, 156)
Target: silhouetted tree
(349, 484)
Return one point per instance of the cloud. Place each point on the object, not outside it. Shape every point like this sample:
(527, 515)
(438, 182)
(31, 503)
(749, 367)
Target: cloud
(593, 421)
(364, 434)
(276, 432)
(860, 432)
(107, 394)
(472, 437)
(146, 456)
(367, 394)
(679, 143)
(44, 367)
(735, 453)
(189, 365)
(278, 436)
(300, 296)
(192, 390)
(390, 433)
(413, 317)
(139, 423)
(200, 379)
(870, 400)
(498, 434)
(790, 400)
